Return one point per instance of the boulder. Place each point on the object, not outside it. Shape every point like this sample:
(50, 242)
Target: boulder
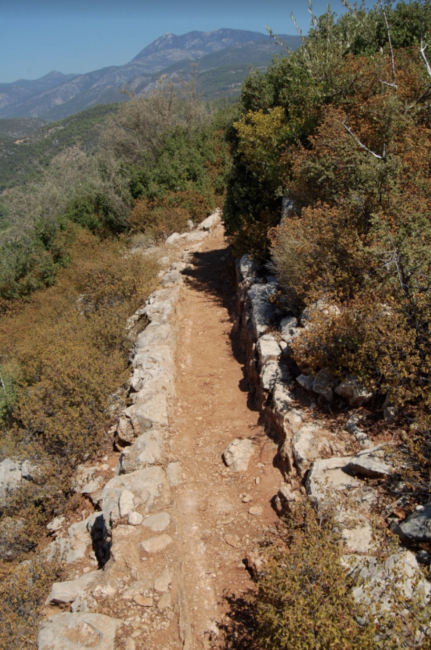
(135, 519)
(324, 383)
(284, 499)
(289, 330)
(173, 239)
(306, 381)
(248, 269)
(357, 538)
(156, 544)
(210, 222)
(160, 305)
(147, 449)
(329, 476)
(272, 373)
(172, 277)
(385, 581)
(158, 522)
(238, 453)
(283, 399)
(262, 310)
(267, 349)
(195, 236)
(353, 391)
(11, 474)
(126, 503)
(141, 416)
(417, 526)
(74, 631)
(63, 593)
(369, 463)
(352, 426)
(308, 444)
(148, 486)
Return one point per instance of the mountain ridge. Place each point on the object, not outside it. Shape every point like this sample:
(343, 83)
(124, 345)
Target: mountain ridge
(57, 96)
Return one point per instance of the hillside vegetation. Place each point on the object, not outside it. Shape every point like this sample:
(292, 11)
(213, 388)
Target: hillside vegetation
(342, 129)
(70, 276)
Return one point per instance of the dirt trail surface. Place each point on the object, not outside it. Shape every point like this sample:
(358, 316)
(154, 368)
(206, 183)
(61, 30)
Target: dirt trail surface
(213, 504)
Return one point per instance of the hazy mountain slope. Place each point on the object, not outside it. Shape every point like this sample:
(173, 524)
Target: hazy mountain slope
(24, 88)
(169, 55)
(22, 160)
(20, 127)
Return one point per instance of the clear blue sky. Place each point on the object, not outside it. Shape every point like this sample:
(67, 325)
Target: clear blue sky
(37, 36)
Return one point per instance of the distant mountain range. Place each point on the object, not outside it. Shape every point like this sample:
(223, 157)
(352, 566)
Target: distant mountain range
(223, 58)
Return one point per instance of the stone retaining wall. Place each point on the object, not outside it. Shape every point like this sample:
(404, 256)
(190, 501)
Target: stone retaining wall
(314, 460)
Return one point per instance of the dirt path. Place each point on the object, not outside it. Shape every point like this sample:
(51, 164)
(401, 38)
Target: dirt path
(215, 528)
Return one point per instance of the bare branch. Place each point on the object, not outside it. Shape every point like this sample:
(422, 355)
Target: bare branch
(424, 56)
(295, 23)
(388, 29)
(376, 155)
(386, 83)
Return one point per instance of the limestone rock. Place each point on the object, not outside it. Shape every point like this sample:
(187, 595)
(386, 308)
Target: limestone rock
(353, 391)
(148, 449)
(157, 522)
(262, 310)
(238, 453)
(330, 475)
(272, 373)
(288, 328)
(162, 583)
(156, 544)
(232, 540)
(195, 236)
(172, 277)
(352, 426)
(73, 631)
(126, 503)
(210, 222)
(92, 486)
(324, 383)
(284, 499)
(174, 474)
(141, 416)
(308, 444)
(379, 582)
(173, 239)
(63, 593)
(56, 524)
(368, 463)
(148, 486)
(417, 526)
(357, 538)
(248, 269)
(11, 474)
(306, 381)
(282, 398)
(135, 519)
(267, 349)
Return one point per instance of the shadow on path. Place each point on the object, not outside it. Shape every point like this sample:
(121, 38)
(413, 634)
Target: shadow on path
(214, 275)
